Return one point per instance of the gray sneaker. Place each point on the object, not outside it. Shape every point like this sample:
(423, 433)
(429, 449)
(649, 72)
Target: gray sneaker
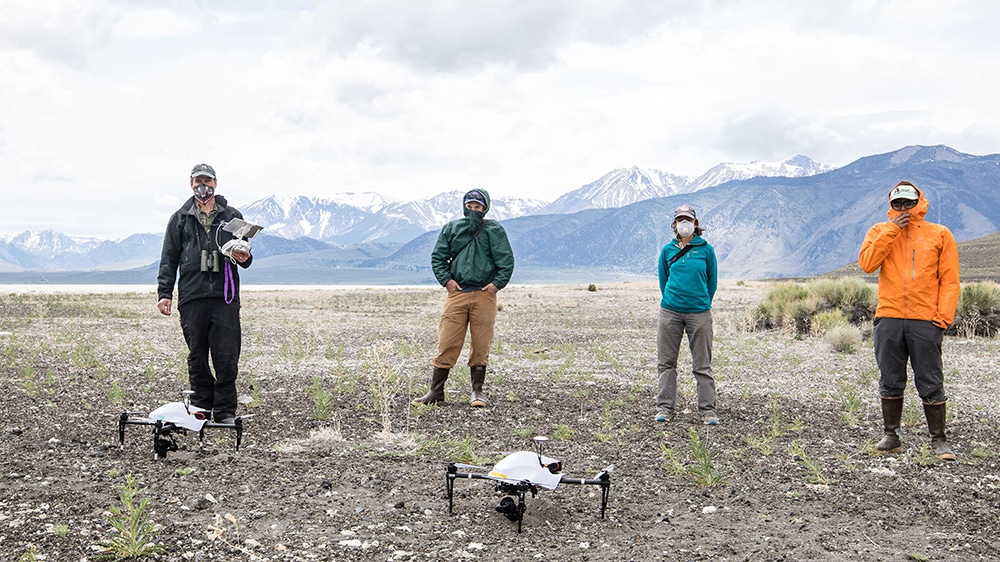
(663, 416)
(710, 419)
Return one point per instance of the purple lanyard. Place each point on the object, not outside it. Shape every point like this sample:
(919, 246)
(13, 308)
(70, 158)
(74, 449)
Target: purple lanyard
(229, 289)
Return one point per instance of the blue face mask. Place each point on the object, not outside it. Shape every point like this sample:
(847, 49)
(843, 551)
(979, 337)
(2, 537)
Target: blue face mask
(203, 192)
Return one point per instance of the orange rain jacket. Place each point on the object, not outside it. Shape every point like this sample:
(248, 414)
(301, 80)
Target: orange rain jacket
(919, 277)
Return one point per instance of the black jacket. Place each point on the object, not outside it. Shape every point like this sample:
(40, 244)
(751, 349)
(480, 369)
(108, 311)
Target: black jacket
(183, 242)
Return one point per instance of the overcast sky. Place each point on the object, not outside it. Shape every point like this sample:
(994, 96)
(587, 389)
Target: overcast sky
(106, 105)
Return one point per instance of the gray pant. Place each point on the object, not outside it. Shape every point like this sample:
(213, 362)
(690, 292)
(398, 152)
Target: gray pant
(670, 330)
(897, 340)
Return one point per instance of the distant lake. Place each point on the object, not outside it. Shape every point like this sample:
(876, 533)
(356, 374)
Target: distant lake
(151, 289)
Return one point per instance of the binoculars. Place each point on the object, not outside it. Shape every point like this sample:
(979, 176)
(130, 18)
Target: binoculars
(211, 261)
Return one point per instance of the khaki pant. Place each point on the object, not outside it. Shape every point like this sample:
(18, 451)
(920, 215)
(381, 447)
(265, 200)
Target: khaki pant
(474, 312)
(671, 327)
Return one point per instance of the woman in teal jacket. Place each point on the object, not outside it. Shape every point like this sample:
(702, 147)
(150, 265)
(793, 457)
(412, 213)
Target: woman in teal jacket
(688, 273)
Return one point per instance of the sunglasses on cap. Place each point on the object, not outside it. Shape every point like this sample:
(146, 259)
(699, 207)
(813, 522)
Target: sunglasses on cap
(903, 204)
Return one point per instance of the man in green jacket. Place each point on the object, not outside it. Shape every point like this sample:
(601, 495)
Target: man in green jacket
(472, 260)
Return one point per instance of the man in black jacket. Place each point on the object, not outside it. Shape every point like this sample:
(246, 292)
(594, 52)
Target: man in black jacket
(207, 290)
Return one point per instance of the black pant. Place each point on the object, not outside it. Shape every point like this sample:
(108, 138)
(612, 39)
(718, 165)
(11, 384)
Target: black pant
(211, 325)
(898, 339)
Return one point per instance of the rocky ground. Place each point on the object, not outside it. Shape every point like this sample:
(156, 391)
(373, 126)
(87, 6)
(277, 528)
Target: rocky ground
(335, 465)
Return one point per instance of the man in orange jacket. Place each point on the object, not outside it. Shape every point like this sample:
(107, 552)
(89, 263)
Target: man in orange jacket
(918, 289)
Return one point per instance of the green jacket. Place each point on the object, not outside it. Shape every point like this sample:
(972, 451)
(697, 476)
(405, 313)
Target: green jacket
(473, 262)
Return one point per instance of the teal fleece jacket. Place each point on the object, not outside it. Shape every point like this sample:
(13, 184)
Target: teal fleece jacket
(486, 259)
(690, 283)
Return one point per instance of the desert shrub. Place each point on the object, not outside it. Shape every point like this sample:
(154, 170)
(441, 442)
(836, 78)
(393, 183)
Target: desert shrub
(781, 306)
(792, 304)
(854, 297)
(978, 311)
(843, 338)
(826, 320)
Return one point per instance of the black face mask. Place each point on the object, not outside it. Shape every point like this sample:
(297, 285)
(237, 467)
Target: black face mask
(203, 192)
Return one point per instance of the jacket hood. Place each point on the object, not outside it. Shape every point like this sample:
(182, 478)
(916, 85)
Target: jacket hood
(486, 196)
(917, 212)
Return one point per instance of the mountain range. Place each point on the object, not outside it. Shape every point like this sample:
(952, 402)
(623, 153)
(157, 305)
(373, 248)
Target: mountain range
(790, 218)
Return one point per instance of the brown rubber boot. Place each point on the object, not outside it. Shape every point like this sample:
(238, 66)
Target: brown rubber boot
(892, 412)
(935, 424)
(478, 375)
(436, 393)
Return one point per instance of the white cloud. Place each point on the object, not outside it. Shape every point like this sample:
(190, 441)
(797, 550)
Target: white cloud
(105, 105)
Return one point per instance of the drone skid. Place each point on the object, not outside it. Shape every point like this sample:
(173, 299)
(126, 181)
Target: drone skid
(164, 432)
(520, 488)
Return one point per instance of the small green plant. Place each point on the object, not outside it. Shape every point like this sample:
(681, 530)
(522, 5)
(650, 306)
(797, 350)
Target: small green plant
(671, 463)
(775, 418)
(703, 470)
(761, 444)
(183, 471)
(917, 557)
(982, 451)
(386, 383)
(562, 432)
(133, 534)
(60, 530)
(116, 394)
(322, 400)
(525, 432)
(30, 556)
(852, 404)
(924, 456)
(813, 467)
(592, 288)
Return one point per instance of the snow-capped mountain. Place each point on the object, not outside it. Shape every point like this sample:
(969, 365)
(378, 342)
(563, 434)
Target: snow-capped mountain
(360, 218)
(48, 249)
(795, 167)
(319, 218)
(625, 186)
(618, 188)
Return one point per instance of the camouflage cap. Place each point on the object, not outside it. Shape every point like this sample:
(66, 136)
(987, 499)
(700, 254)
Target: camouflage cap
(203, 170)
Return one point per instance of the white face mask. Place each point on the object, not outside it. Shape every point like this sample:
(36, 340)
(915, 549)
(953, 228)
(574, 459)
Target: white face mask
(685, 228)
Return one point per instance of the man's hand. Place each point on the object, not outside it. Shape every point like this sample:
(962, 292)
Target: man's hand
(902, 219)
(491, 288)
(240, 256)
(452, 286)
(164, 306)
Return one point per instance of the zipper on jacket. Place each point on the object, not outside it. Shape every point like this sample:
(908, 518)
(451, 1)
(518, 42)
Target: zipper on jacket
(913, 265)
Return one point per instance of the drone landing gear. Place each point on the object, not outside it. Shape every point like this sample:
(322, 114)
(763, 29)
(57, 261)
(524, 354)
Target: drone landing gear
(164, 433)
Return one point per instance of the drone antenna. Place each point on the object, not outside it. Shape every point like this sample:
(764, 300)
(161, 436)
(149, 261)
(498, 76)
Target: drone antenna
(539, 441)
(186, 394)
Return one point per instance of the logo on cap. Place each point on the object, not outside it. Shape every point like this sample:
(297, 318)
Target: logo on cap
(685, 211)
(904, 191)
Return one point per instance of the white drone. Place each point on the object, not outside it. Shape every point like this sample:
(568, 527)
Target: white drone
(522, 472)
(176, 418)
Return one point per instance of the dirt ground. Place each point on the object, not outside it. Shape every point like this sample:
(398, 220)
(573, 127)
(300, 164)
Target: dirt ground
(335, 465)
